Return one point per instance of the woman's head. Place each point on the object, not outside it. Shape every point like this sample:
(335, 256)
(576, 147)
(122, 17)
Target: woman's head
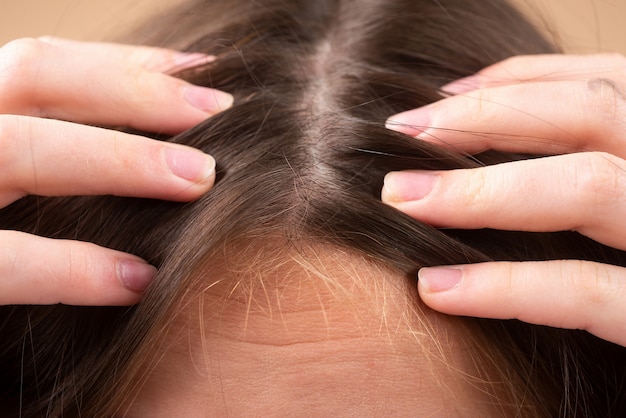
(290, 282)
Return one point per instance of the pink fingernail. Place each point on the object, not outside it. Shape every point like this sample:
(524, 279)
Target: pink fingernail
(440, 279)
(463, 85)
(405, 186)
(135, 275)
(189, 164)
(208, 100)
(413, 122)
(192, 59)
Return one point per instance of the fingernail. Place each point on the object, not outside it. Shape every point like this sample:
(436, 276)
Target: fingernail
(192, 59)
(404, 186)
(413, 122)
(208, 100)
(135, 275)
(439, 279)
(463, 85)
(189, 164)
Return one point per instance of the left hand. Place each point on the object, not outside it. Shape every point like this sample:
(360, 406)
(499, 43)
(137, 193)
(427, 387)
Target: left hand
(51, 93)
(574, 106)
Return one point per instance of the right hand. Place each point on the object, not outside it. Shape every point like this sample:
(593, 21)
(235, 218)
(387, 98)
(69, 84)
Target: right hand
(48, 88)
(571, 106)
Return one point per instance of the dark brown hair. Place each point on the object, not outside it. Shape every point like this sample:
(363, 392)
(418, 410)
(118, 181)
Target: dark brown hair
(301, 159)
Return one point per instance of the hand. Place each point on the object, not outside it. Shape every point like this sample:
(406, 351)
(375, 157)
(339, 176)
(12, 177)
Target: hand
(46, 83)
(569, 105)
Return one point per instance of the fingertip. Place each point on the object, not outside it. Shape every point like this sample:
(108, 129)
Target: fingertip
(443, 289)
(435, 280)
(463, 85)
(135, 275)
(193, 175)
(191, 165)
(386, 194)
(412, 122)
(208, 100)
(184, 60)
(408, 186)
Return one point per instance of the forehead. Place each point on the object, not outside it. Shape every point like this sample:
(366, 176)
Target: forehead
(330, 331)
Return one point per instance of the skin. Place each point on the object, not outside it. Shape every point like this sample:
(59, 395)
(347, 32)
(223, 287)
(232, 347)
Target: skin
(287, 340)
(49, 88)
(571, 107)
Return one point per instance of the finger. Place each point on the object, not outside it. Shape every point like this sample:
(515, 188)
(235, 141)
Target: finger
(542, 117)
(563, 294)
(536, 68)
(150, 58)
(41, 271)
(103, 84)
(585, 192)
(49, 157)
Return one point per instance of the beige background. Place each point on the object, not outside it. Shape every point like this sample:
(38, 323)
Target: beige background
(79, 19)
(582, 25)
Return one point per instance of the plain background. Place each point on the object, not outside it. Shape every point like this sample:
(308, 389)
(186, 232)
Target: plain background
(582, 25)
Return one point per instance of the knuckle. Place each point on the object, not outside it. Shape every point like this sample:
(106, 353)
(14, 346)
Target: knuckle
(137, 93)
(119, 155)
(598, 179)
(78, 274)
(21, 52)
(141, 87)
(604, 98)
(476, 190)
(596, 284)
(478, 107)
(508, 284)
(75, 269)
(19, 60)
